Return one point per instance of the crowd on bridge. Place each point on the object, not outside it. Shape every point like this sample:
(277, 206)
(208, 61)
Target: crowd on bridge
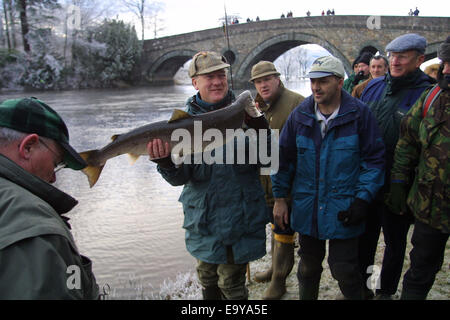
(357, 156)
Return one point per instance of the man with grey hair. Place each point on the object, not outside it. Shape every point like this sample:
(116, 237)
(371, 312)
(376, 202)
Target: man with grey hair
(38, 255)
(390, 97)
(421, 160)
(378, 66)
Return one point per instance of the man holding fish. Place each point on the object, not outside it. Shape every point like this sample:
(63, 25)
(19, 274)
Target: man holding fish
(224, 208)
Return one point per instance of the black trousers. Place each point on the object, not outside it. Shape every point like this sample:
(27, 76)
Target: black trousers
(427, 257)
(395, 231)
(343, 262)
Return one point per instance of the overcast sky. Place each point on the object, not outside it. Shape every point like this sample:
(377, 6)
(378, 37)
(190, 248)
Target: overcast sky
(181, 16)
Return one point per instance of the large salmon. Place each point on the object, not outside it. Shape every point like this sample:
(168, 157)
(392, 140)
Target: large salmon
(134, 143)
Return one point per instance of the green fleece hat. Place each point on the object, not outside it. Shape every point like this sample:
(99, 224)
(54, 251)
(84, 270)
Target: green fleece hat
(30, 115)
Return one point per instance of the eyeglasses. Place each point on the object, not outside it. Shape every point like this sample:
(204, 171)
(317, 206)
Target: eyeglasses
(400, 56)
(58, 166)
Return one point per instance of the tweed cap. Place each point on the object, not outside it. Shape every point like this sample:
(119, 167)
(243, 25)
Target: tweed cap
(30, 115)
(262, 69)
(406, 42)
(326, 66)
(206, 62)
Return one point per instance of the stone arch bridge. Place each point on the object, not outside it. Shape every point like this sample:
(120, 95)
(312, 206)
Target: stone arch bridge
(343, 36)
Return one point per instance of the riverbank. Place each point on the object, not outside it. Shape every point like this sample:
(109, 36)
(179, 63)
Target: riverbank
(186, 286)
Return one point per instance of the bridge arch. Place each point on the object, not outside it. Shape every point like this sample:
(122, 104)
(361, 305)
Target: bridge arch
(165, 67)
(343, 36)
(275, 46)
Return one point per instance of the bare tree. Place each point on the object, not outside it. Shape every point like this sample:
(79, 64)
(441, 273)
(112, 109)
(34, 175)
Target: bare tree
(301, 56)
(144, 10)
(285, 64)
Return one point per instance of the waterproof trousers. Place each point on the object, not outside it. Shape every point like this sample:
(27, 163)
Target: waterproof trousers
(343, 262)
(223, 281)
(395, 231)
(427, 257)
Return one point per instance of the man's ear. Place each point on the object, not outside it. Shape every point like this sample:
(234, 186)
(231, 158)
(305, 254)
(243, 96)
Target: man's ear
(27, 145)
(194, 83)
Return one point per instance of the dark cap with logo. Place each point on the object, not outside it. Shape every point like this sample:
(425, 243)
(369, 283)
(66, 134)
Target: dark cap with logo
(30, 115)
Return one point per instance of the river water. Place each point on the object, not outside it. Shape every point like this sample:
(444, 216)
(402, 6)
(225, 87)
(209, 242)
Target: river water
(130, 222)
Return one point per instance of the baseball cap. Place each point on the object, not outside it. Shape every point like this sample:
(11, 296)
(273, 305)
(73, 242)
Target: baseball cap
(326, 66)
(205, 62)
(31, 115)
(262, 69)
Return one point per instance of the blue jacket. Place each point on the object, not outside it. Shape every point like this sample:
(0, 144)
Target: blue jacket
(325, 175)
(223, 206)
(390, 99)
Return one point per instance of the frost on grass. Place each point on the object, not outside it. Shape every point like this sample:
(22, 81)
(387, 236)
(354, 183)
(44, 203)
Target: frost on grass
(184, 287)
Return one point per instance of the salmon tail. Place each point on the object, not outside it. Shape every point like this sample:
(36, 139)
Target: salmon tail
(91, 171)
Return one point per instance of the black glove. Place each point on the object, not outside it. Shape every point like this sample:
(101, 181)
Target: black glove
(356, 214)
(360, 76)
(256, 123)
(165, 163)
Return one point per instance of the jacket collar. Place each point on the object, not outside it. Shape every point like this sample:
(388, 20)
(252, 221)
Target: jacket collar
(268, 106)
(60, 201)
(347, 112)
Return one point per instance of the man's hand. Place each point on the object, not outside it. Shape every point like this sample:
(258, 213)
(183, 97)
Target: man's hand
(281, 213)
(157, 149)
(356, 214)
(159, 153)
(253, 111)
(396, 198)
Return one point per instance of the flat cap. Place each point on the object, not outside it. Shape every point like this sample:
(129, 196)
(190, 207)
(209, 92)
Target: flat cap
(406, 42)
(206, 62)
(262, 69)
(326, 66)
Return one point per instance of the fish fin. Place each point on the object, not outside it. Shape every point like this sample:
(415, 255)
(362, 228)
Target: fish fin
(114, 137)
(133, 157)
(178, 114)
(92, 172)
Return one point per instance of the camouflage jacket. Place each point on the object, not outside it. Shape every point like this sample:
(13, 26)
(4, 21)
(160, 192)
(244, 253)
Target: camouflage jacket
(421, 158)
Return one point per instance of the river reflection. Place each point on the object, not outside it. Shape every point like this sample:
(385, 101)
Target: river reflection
(130, 222)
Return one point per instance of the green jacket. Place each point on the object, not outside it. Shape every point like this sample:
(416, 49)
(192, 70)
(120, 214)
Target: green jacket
(38, 255)
(276, 114)
(223, 205)
(348, 83)
(421, 157)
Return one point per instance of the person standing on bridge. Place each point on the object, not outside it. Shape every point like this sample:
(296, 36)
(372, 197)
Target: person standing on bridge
(390, 97)
(331, 162)
(276, 103)
(224, 209)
